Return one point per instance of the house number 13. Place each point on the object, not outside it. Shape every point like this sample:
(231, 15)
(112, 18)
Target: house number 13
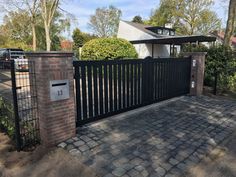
(59, 92)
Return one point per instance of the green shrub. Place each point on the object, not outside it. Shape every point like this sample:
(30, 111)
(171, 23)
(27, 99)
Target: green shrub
(108, 49)
(194, 48)
(220, 59)
(6, 117)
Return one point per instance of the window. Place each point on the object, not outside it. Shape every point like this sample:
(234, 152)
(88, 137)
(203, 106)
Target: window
(172, 33)
(166, 32)
(2, 54)
(159, 31)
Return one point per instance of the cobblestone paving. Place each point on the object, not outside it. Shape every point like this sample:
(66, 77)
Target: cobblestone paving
(163, 140)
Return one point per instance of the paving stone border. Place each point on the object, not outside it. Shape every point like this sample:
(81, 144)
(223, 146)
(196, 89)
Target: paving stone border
(163, 140)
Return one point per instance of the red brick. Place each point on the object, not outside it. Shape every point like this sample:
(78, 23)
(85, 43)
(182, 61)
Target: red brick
(56, 119)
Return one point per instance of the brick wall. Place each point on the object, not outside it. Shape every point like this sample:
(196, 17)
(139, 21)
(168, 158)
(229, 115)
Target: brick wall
(197, 72)
(56, 118)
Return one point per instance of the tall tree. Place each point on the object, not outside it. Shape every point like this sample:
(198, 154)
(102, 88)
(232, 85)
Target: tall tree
(187, 16)
(33, 7)
(137, 19)
(208, 22)
(29, 6)
(16, 26)
(230, 22)
(16, 31)
(48, 9)
(105, 21)
(80, 38)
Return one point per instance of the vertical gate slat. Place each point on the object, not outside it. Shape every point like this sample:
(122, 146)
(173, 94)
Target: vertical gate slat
(132, 84)
(101, 90)
(176, 78)
(156, 81)
(135, 84)
(162, 80)
(159, 80)
(119, 86)
(171, 78)
(110, 88)
(185, 76)
(123, 85)
(128, 81)
(84, 93)
(139, 83)
(115, 86)
(164, 74)
(90, 96)
(95, 88)
(179, 79)
(78, 89)
(179, 76)
(167, 80)
(145, 80)
(105, 88)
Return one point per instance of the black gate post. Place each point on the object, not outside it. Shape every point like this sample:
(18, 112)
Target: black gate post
(147, 80)
(15, 104)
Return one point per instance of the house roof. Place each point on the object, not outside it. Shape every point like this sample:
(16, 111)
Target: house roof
(221, 36)
(162, 39)
(176, 40)
(143, 28)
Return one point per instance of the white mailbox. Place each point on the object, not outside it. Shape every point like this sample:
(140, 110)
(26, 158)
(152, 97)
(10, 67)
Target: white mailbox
(59, 90)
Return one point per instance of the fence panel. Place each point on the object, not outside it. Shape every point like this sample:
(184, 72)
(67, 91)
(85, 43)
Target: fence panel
(18, 90)
(7, 116)
(105, 88)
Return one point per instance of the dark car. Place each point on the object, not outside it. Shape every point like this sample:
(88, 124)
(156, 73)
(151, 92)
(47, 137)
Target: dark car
(18, 55)
(10, 54)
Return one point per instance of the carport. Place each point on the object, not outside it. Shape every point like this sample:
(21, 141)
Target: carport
(176, 40)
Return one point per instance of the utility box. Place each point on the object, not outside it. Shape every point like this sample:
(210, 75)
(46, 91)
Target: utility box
(59, 90)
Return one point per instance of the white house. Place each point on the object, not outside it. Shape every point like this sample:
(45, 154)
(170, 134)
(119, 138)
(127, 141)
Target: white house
(156, 41)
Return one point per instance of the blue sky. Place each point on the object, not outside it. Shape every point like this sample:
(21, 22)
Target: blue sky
(82, 9)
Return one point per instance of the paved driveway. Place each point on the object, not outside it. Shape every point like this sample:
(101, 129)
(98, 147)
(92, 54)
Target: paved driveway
(159, 140)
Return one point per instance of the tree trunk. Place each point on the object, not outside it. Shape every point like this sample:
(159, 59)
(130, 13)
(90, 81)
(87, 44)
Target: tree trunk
(34, 37)
(48, 39)
(230, 22)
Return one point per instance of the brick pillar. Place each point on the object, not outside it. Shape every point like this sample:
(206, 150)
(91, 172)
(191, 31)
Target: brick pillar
(197, 72)
(56, 118)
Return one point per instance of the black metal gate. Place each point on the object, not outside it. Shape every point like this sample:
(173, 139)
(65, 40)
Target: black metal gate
(105, 88)
(18, 102)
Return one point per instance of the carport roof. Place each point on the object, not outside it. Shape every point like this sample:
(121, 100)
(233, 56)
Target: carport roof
(176, 40)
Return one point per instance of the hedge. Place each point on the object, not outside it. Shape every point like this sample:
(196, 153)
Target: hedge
(7, 117)
(108, 49)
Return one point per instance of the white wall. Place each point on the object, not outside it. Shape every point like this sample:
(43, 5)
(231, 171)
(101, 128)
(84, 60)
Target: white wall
(145, 50)
(131, 33)
(161, 51)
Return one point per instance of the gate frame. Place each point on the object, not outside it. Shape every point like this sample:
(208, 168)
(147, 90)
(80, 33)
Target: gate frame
(146, 94)
(15, 106)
